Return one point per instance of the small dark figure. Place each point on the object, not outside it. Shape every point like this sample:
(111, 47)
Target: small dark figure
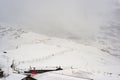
(12, 65)
(4, 52)
(1, 73)
(28, 78)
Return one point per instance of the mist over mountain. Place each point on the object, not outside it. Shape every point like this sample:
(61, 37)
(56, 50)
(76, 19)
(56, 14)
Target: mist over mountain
(88, 22)
(79, 37)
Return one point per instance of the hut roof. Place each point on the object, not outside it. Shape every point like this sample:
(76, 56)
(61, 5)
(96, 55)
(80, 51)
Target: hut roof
(28, 78)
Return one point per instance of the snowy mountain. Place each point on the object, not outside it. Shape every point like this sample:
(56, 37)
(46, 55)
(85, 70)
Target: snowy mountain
(87, 48)
(109, 40)
(79, 62)
(85, 60)
(79, 22)
(11, 37)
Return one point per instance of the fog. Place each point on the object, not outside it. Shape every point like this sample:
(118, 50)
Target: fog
(61, 18)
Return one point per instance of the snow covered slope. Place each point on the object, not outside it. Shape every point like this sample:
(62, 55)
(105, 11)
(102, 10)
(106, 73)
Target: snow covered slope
(8, 37)
(78, 60)
(11, 37)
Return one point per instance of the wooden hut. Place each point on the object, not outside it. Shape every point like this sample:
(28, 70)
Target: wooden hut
(28, 78)
(36, 71)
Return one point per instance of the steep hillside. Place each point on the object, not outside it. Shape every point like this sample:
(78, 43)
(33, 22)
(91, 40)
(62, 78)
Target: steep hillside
(11, 37)
(77, 60)
(80, 62)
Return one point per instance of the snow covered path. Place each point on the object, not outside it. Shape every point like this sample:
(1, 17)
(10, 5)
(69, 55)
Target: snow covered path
(51, 76)
(45, 76)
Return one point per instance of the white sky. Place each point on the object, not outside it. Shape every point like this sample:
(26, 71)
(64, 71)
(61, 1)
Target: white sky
(58, 17)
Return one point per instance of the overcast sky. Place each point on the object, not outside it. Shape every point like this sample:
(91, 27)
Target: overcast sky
(58, 17)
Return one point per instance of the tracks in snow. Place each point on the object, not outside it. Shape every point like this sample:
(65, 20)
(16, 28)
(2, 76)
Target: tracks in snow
(44, 58)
